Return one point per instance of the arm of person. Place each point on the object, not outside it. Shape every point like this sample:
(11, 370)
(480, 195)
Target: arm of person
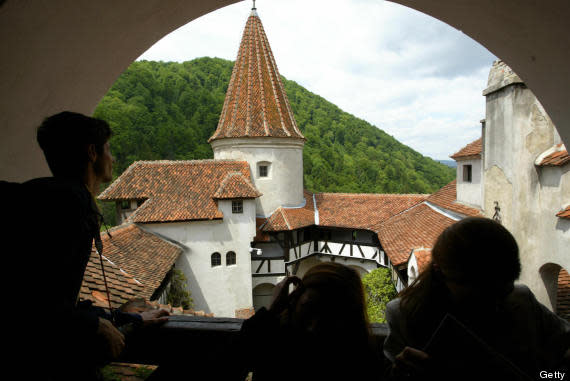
(405, 360)
(394, 342)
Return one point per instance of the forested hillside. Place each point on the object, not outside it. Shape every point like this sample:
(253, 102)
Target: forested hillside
(167, 110)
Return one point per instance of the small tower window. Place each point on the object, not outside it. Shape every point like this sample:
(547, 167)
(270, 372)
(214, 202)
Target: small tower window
(126, 204)
(237, 206)
(230, 258)
(216, 259)
(467, 173)
(263, 170)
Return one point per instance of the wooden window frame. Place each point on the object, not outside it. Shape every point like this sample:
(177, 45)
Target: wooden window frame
(237, 206)
(229, 256)
(467, 173)
(215, 258)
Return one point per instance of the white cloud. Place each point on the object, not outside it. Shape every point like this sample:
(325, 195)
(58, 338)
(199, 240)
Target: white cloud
(415, 77)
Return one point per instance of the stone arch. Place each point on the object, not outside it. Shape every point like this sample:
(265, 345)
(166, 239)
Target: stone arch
(412, 275)
(557, 284)
(563, 295)
(77, 72)
(262, 295)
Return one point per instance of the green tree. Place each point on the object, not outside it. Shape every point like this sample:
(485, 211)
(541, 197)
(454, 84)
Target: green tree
(168, 110)
(379, 291)
(177, 294)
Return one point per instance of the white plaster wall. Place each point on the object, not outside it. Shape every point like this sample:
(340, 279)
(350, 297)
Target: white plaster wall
(222, 289)
(256, 281)
(413, 269)
(517, 131)
(277, 266)
(284, 185)
(470, 193)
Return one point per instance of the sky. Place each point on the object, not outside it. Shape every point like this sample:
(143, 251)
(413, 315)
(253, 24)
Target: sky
(411, 75)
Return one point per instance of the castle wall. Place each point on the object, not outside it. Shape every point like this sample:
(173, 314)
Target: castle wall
(284, 184)
(470, 193)
(517, 131)
(222, 289)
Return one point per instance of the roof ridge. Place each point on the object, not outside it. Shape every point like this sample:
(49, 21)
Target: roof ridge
(198, 161)
(376, 194)
(282, 211)
(130, 224)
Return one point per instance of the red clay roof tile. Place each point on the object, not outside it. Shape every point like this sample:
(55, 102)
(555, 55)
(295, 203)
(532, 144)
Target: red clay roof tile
(557, 158)
(146, 256)
(362, 211)
(418, 226)
(563, 295)
(236, 185)
(256, 104)
(260, 235)
(472, 149)
(178, 190)
(292, 218)
(122, 286)
(423, 257)
(564, 213)
(446, 198)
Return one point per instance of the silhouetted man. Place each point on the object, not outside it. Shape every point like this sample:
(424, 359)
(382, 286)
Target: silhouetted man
(57, 221)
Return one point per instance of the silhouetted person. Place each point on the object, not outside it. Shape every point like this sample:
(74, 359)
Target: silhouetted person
(475, 263)
(57, 221)
(318, 332)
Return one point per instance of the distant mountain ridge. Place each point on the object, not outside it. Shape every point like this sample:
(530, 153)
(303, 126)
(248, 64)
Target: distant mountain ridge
(449, 163)
(168, 110)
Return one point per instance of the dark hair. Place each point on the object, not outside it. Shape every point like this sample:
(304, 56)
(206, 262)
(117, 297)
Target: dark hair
(341, 300)
(64, 139)
(480, 250)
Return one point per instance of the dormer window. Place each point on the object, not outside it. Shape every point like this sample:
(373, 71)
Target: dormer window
(237, 206)
(467, 173)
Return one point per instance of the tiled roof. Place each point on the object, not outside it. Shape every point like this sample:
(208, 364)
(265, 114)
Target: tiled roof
(416, 227)
(236, 185)
(292, 218)
(362, 211)
(564, 213)
(256, 104)
(555, 157)
(144, 255)
(563, 295)
(472, 149)
(260, 235)
(122, 286)
(176, 190)
(423, 257)
(446, 198)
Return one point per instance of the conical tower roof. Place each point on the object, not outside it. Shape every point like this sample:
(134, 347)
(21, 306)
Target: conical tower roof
(256, 104)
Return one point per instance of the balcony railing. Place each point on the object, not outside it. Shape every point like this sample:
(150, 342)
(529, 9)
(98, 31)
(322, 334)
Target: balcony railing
(196, 347)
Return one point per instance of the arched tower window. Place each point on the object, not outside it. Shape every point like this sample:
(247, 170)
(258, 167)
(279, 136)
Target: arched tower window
(216, 259)
(230, 258)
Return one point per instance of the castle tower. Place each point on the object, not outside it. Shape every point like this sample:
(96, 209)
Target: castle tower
(257, 124)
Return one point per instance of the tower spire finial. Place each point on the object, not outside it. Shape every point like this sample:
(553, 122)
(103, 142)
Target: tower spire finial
(253, 10)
